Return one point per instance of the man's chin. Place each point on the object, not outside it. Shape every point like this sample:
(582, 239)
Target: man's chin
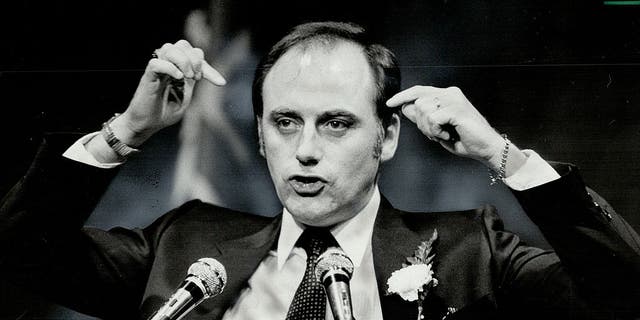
(309, 213)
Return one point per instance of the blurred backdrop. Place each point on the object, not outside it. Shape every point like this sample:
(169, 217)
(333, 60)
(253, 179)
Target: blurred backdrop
(559, 77)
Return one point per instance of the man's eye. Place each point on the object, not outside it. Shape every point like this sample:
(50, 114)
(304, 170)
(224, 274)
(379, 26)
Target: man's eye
(286, 125)
(337, 125)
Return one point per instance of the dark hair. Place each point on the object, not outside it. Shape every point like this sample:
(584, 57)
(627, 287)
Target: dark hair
(386, 74)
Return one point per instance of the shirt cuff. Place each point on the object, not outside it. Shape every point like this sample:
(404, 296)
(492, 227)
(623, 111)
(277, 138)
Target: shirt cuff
(533, 173)
(78, 152)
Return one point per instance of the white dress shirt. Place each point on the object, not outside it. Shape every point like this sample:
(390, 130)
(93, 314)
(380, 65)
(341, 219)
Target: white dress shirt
(271, 288)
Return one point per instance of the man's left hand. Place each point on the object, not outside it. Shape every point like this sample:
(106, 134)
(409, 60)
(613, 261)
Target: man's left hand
(446, 116)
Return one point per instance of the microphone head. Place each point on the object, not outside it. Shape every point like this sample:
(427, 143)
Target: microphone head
(212, 274)
(334, 259)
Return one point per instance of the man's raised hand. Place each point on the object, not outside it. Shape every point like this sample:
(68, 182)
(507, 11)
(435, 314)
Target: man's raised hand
(446, 116)
(164, 91)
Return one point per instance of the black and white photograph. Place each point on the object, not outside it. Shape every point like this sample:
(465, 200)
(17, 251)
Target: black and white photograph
(319, 160)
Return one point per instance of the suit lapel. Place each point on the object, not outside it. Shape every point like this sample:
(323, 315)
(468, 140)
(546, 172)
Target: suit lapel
(392, 242)
(241, 257)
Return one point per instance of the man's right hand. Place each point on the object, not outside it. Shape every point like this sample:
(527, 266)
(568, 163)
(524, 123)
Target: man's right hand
(164, 92)
(162, 96)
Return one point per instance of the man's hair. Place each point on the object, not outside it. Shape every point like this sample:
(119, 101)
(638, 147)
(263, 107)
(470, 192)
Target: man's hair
(383, 63)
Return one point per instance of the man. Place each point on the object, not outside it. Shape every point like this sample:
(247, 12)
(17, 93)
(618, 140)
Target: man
(325, 101)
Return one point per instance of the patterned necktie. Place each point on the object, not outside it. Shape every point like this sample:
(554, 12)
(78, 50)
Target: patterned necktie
(310, 300)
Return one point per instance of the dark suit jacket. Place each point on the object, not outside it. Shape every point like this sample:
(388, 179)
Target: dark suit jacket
(484, 272)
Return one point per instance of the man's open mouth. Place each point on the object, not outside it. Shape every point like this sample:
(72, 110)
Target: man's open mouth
(307, 186)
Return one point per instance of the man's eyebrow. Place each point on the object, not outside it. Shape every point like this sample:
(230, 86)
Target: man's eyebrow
(284, 112)
(337, 113)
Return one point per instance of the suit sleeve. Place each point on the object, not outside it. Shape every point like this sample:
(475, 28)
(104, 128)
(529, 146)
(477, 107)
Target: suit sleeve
(594, 268)
(46, 248)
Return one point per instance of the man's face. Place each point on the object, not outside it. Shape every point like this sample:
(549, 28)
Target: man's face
(322, 139)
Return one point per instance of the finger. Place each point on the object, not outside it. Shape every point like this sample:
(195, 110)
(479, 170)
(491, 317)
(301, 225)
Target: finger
(427, 104)
(410, 95)
(409, 111)
(422, 121)
(195, 55)
(183, 44)
(413, 113)
(177, 56)
(441, 125)
(212, 75)
(159, 66)
(418, 111)
(172, 53)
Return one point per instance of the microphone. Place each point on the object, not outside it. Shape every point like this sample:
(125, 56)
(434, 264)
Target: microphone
(206, 278)
(334, 270)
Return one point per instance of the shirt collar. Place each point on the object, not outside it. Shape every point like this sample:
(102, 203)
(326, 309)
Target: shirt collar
(352, 235)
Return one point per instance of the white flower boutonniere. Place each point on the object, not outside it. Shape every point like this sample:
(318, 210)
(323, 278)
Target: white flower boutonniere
(415, 279)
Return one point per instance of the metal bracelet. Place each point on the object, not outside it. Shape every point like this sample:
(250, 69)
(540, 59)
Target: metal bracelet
(500, 175)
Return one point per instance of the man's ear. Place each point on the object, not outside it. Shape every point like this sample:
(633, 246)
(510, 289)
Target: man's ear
(390, 140)
(260, 139)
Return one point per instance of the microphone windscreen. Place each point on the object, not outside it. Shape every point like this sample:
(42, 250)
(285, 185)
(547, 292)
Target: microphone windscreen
(212, 273)
(334, 259)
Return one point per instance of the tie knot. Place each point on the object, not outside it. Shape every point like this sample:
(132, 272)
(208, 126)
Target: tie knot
(315, 241)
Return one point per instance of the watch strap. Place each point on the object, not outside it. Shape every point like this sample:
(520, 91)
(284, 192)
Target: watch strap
(120, 148)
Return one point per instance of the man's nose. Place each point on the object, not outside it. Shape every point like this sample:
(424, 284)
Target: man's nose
(309, 150)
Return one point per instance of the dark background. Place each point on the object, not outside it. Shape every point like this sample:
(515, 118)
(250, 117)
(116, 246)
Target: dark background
(560, 77)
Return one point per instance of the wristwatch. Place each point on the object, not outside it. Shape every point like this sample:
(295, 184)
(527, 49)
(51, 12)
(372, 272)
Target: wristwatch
(120, 148)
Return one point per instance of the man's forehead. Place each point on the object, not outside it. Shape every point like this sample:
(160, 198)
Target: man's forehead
(338, 58)
(320, 77)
